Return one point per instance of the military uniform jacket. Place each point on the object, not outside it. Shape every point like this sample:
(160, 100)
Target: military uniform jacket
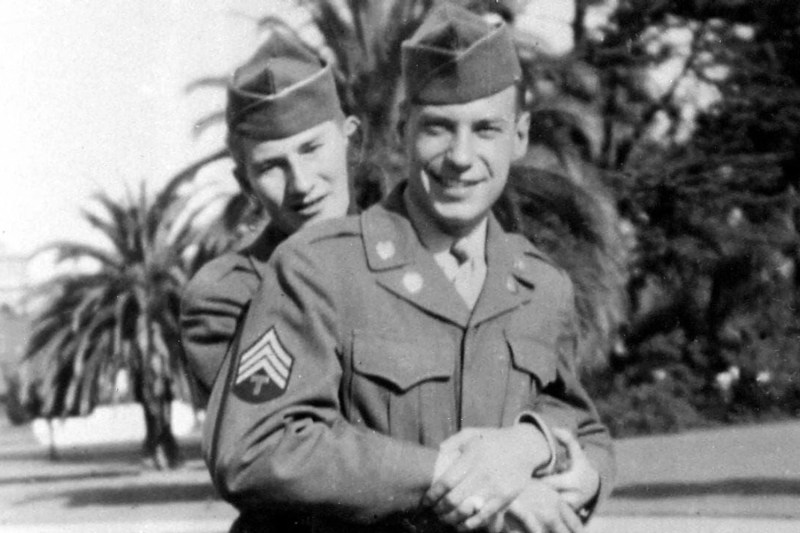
(357, 358)
(215, 300)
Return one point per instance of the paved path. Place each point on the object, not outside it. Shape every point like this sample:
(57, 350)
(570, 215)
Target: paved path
(699, 524)
(744, 471)
(733, 480)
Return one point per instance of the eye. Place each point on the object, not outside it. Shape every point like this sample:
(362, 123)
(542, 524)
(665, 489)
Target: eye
(265, 167)
(488, 129)
(311, 147)
(434, 127)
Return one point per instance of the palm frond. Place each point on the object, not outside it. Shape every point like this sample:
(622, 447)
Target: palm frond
(213, 82)
(167, 194)
(66, 251)
(201, 125)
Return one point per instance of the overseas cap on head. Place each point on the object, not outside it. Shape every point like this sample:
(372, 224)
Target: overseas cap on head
(455, 56)
(280, 91)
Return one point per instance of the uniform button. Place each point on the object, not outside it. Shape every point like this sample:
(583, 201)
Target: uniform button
(519, 264)
(412, 281)
(511, 285)
(385, 249)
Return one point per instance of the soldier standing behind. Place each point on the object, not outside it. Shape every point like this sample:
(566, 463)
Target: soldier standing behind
(288, 138)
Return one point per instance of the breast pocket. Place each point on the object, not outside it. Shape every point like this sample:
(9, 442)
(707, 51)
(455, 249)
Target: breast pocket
(534, 367)
(400, 386)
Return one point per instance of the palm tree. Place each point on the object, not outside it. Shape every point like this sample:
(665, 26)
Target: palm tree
(121, 316)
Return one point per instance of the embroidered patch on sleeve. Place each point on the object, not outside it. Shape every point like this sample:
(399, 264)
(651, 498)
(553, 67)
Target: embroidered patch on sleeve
(264, 370)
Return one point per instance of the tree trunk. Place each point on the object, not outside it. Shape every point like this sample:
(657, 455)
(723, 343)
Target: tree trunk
(160, 448)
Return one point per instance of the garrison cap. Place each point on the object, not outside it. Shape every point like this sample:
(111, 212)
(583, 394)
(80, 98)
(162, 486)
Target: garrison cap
(455, 57)
(280, 91)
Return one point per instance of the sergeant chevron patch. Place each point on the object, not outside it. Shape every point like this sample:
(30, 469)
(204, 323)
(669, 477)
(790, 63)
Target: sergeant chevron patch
(264, 370)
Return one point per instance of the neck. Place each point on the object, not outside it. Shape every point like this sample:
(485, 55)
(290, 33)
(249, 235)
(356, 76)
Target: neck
(433, 234)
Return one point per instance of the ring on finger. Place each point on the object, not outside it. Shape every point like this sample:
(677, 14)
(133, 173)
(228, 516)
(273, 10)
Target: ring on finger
(474, 504)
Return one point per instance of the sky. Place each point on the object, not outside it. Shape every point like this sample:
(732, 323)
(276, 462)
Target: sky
(93, 97)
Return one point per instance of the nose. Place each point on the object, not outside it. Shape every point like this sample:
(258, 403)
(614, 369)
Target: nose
(460, 153)
(300, 180)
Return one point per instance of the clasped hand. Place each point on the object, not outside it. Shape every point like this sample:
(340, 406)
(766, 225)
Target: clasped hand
(483, 480)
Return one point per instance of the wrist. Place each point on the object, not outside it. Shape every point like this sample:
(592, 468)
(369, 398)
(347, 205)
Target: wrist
(543, 446)
(535, 448)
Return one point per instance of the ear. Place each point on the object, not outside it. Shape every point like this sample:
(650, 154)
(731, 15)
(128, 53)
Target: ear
(402, 120)
(351, 126)
(521, 132)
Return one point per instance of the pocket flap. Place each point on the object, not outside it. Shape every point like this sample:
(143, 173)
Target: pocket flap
(400, 362)
(533, 356)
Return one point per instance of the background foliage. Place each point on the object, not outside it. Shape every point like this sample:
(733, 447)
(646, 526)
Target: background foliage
(670, 199)
(662, 174)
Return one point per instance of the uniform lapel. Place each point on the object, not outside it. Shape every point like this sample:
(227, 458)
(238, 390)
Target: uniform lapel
(402, 266)
(509, 282)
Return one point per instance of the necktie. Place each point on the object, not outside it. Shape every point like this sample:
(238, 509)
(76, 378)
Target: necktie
(468, 279)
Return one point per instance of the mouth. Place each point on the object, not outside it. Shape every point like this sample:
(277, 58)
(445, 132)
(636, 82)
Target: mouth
(453, 182)
(308, 207)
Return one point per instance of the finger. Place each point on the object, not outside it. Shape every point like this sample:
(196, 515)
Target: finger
(497, 524)
(571, 498)
(485, 517)
(552, 519)
(566, 484)
(460, 439)
(561, 482)
(461, 489)
(557, 525)
(467, 484)
(458, 498)
(571, 519)
(447, 481)
(566, 438)
(465, 509)
(526, 522)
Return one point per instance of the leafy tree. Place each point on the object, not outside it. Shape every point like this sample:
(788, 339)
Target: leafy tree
(713, 282)
(122, 315)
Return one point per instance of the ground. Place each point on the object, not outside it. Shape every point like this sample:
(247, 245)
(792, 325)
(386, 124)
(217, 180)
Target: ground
(716, 481)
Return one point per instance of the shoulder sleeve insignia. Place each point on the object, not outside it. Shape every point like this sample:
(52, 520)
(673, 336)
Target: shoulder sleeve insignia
(264, 370)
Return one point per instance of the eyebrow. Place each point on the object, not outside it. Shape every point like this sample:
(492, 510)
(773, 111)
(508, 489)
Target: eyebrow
(493, 121)
(427, 117)
(274, 159)
(316, 139)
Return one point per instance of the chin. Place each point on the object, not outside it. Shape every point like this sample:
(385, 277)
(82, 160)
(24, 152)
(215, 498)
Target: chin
(457, 224)
(457, 215)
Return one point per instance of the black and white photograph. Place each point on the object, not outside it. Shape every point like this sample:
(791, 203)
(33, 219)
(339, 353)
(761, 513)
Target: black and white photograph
(400, 266)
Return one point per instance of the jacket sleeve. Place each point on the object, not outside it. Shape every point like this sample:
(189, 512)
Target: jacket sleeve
(211, 306)
(565, 403)
(292, 448)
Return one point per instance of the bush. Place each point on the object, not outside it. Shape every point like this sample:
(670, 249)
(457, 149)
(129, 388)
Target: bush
(656, 407)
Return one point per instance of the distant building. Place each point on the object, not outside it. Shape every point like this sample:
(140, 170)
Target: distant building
(14, 333)
(14, 281)
(14, 322)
